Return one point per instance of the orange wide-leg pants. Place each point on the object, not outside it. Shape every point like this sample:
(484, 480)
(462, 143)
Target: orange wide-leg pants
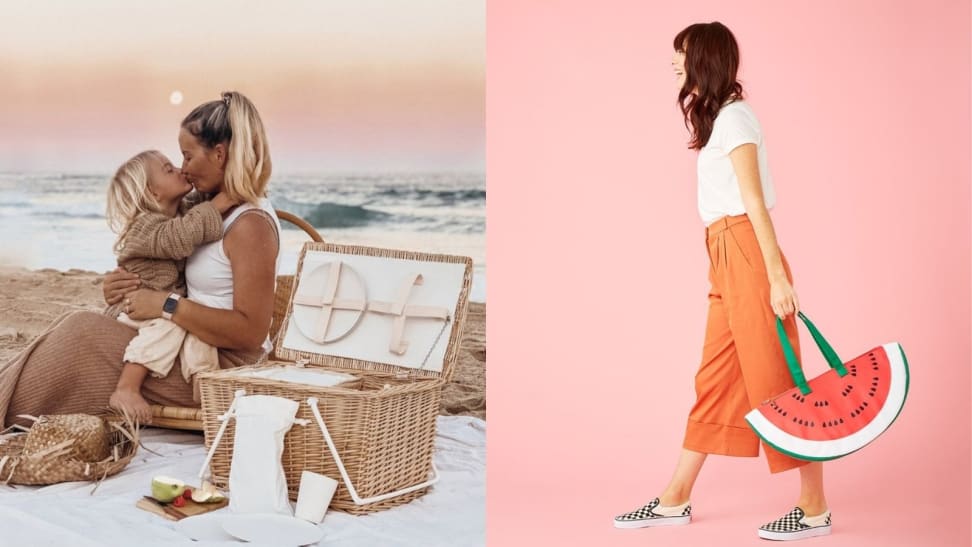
(742, 361)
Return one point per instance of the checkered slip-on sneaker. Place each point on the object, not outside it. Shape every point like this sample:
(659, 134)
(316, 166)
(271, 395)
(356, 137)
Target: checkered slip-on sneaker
(795, 525)
(646, 516)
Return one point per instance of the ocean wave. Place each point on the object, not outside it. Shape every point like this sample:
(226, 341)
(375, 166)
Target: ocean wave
(440, 196)
(67, 214)
(474, 226)
(332, 215)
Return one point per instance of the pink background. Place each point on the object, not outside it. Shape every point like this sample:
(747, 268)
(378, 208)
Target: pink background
(598, 273)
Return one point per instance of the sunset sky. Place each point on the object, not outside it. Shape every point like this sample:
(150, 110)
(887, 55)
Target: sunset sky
(350, 85)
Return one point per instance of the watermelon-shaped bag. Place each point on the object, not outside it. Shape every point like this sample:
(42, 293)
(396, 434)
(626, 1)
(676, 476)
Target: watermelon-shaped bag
(839, 411)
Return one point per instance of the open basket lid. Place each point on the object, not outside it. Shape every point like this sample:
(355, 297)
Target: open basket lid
(382, 310)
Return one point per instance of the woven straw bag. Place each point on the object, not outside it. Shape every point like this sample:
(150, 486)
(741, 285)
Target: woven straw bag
(84, 435)
(68, 447)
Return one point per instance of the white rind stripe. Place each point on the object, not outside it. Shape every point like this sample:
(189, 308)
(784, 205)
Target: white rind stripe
(821, 450)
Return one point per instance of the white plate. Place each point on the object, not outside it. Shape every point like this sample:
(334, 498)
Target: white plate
(207, 527)
(279, 529)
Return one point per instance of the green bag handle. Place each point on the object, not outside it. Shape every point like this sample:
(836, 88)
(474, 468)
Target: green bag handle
(794, 364)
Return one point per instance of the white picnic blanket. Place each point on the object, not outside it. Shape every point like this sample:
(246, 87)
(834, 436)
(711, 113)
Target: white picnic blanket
(452, 513)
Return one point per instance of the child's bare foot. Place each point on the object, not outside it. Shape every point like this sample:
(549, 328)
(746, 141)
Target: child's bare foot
(132, 402)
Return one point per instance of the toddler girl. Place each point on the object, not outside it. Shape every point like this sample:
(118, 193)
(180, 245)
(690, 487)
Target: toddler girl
(157, 230)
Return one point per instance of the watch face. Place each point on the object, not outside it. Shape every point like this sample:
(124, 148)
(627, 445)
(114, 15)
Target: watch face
(170, 305)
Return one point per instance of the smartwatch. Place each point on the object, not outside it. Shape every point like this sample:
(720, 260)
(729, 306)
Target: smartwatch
(170, 305)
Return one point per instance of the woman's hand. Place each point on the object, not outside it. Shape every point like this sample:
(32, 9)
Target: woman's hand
(144, 304)
(783, 298)
(117, 284)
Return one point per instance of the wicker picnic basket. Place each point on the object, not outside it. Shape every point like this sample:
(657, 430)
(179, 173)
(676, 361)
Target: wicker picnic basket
(67, 447)
(382, 428)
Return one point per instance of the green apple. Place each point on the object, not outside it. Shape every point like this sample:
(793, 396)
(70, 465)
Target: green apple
(166, 489)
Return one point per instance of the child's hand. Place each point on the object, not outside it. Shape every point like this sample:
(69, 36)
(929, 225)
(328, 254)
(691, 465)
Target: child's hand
(223, 203)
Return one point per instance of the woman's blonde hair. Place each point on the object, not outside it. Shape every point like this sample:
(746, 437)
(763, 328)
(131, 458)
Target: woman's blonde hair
(129, 195)
(234, 120)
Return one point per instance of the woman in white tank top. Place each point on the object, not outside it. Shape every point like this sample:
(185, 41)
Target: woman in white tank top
(230, 282)
(209, 272)
(742, 360)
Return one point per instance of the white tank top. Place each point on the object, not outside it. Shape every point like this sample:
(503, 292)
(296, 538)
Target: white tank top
(209, 277)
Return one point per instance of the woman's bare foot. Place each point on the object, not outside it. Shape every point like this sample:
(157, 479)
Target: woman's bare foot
(132, 402)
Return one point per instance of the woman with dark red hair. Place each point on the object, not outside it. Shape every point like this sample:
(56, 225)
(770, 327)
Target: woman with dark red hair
(742, 361)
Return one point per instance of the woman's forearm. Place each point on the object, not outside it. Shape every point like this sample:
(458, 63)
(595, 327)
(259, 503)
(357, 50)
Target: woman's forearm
(766, 236)
(229, 329)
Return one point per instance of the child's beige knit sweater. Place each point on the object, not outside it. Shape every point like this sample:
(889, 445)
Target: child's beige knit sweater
(156, 246)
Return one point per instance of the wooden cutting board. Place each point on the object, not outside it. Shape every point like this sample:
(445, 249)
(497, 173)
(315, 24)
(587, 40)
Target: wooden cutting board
(171, 512)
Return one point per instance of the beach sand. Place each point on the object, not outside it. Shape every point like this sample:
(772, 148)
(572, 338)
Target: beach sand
(30, 300)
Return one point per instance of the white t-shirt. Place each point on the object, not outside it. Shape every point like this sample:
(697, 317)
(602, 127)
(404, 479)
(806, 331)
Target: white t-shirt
(719, 194)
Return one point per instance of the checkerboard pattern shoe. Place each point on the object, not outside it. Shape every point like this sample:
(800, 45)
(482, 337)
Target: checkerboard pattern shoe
(796, 525)
(653, 515)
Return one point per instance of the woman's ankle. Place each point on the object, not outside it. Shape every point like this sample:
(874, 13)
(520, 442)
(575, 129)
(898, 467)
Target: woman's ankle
(812, 507)
(672, 498)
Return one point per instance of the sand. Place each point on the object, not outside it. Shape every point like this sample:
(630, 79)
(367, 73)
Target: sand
(29, 300)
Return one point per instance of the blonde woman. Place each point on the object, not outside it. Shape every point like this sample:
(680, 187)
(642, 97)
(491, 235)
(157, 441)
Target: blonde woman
(75, 365)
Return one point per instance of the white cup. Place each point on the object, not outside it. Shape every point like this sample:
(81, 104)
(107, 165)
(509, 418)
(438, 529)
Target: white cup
(314, 496)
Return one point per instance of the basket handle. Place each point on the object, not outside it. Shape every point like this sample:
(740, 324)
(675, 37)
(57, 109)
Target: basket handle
(225, 418)
(312, 402)
(794, 364)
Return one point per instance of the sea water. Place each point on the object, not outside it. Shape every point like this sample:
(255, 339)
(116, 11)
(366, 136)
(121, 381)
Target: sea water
(56, 220)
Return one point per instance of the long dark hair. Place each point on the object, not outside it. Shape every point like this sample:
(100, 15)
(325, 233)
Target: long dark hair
(711, 63)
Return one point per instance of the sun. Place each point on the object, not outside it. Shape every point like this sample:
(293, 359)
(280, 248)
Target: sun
(176, 97)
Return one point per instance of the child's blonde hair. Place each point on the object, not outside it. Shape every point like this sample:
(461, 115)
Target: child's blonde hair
(129, 195)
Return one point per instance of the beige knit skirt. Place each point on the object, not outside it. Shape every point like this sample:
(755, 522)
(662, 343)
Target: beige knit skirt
(74, 365)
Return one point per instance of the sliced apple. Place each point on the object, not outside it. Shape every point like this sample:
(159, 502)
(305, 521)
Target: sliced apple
(207, 493)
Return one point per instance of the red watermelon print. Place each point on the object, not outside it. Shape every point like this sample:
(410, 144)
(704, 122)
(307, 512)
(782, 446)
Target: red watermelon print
(832, 415)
